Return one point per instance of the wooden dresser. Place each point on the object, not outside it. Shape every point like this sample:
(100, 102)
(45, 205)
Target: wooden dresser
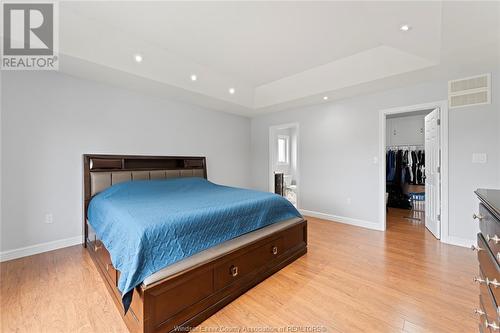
(488, 254)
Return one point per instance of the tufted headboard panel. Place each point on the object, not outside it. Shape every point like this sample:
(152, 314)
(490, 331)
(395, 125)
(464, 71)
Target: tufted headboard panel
(103, 171)
(99, 181)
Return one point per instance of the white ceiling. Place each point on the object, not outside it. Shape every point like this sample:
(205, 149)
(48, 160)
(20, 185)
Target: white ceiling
(275, 54)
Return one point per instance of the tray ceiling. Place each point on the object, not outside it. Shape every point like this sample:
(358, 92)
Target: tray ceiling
(274, 54)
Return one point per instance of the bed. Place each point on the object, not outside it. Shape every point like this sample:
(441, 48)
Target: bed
(181, 292)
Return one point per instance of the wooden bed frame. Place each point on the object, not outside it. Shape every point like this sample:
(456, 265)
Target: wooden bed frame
(185, 299)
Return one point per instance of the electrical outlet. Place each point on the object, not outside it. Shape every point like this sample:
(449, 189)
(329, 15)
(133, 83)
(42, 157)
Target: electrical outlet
(48, 218)
(349, 201)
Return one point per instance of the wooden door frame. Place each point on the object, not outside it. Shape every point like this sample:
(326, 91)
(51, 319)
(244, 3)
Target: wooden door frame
(443, 133)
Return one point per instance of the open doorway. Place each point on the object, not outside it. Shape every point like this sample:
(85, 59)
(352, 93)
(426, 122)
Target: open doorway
(414, 168)
(283, 161)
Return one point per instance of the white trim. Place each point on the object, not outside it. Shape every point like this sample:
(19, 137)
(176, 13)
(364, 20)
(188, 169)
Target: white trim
(452, 240)
(297, 156)
(342, 219)
(443, 105)
(39, 248)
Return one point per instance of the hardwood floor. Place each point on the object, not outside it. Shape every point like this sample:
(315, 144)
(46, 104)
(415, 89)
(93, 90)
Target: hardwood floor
(351, 280)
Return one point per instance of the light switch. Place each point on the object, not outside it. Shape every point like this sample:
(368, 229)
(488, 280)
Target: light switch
(479, 158)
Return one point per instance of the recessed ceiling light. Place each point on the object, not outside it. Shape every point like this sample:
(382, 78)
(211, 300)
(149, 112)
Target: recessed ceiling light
(325, 98)
(405, 27)
(194, 77)
(138, 58)
(232, 91)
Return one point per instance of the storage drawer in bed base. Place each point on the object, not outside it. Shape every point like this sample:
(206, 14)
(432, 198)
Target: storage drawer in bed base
(187, 298)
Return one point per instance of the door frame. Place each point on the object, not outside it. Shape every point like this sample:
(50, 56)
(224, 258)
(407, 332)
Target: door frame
(272, 155)
(443, 106)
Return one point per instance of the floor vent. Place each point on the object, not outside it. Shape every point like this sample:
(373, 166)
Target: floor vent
(474, 90)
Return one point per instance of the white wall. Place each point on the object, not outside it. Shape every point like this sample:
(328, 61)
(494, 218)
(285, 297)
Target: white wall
(50, 119)
(339, 140)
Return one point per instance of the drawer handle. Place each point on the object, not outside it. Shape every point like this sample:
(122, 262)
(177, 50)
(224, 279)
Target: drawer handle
(233, 270)
(493, 282)
(479, 312)
(491, 325)
(494, 238)
(96, 247)
(479, 280)
(487, 281)
(275, 250)
(476, 248)
(479, 217)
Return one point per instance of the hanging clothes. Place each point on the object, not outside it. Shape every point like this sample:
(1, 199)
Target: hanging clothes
(410, 164)
(403, 167)
(391, 165)
(420, 167)
(414, 167)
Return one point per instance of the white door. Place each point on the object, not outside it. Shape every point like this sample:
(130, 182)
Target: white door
(432, 173)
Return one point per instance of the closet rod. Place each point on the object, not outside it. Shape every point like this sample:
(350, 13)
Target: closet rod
(405, 146)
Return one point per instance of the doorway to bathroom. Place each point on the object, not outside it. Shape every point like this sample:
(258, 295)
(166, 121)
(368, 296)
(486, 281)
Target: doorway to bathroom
(283, 161)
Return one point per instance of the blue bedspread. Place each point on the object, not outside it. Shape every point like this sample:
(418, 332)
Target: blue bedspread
(148, 225)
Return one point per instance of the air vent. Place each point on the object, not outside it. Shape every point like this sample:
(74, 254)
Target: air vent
(474, 90)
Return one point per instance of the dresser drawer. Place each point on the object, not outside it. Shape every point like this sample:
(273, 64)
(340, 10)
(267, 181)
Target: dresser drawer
(485, 323)
(481, 328)
(247, 263)
(490, 228)
(489, 267)
(488, 300)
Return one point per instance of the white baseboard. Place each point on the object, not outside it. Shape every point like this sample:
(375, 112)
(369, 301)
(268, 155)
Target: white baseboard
(58, 244)
(342, 219)
(39, 248)
(452, 240)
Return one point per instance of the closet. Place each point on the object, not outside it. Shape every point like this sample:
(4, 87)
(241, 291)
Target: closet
(405, 175)
(405, 164)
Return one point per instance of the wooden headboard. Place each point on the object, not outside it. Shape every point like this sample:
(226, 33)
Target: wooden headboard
(102, 171)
